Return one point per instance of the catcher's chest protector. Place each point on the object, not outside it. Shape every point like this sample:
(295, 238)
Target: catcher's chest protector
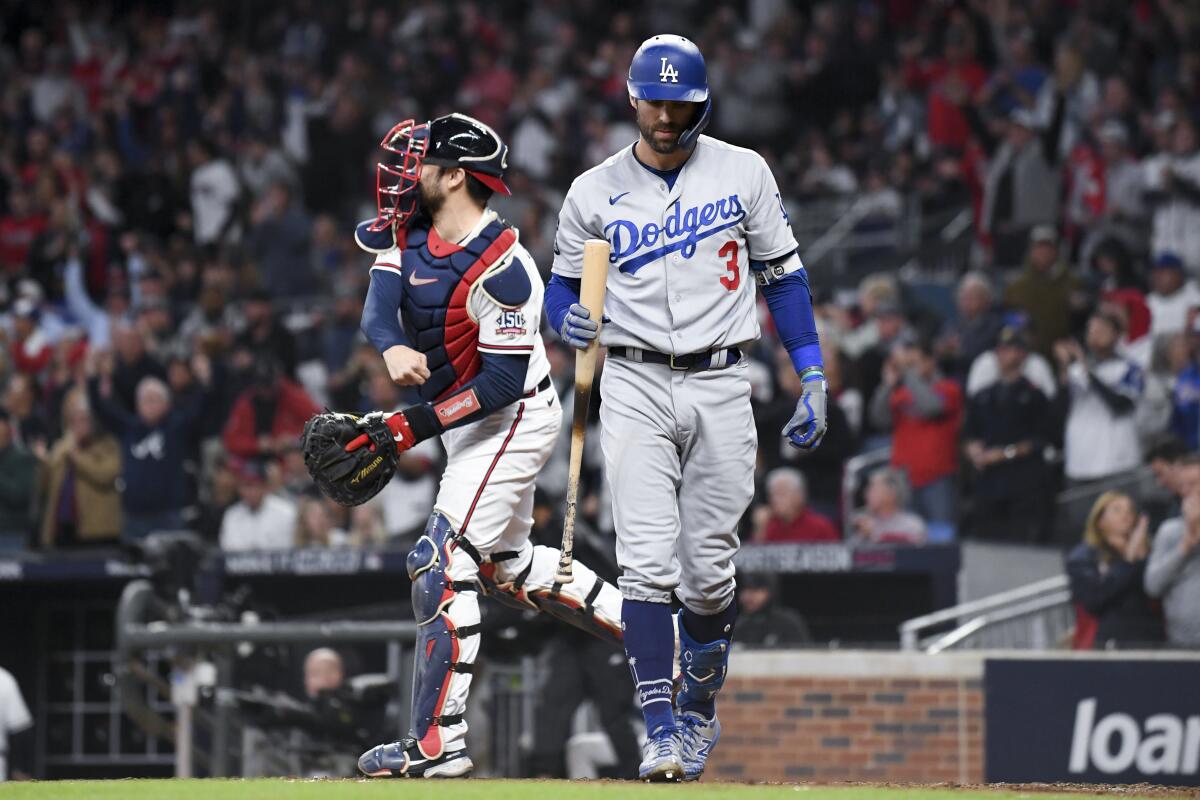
(437, 283)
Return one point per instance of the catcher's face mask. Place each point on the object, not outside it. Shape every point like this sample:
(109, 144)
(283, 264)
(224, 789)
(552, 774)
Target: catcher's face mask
(396, 183)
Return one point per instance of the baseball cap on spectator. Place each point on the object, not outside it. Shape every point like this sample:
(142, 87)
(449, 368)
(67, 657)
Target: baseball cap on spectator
(1043, 234)
(252, 471)
(1014, 335)
(1168, 260)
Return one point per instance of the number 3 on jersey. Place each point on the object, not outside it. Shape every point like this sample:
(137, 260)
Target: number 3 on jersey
(733, 280)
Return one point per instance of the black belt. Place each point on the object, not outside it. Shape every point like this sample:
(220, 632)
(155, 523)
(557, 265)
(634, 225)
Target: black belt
(687, 361)
(541, 387)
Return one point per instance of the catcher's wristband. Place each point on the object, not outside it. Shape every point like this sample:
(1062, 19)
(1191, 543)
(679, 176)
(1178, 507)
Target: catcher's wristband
(422, 422)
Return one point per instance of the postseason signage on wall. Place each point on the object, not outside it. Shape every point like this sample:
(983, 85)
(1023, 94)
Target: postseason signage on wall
(1093, 721)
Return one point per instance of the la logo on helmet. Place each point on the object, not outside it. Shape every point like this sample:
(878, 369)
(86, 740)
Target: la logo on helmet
(668, 72)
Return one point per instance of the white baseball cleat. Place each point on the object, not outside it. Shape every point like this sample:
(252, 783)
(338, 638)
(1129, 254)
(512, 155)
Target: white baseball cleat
(661, 759)
(697, 737)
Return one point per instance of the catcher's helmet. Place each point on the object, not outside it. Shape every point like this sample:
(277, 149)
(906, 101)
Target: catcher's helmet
(454, 140)
(669, 67)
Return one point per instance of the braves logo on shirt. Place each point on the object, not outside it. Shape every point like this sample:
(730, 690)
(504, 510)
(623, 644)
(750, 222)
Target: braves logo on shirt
(634, 246)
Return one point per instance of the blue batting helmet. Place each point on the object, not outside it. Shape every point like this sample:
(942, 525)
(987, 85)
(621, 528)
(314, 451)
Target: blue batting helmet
(668, 67)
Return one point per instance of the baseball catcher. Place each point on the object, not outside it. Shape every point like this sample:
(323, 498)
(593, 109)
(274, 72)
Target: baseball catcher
(454, 307)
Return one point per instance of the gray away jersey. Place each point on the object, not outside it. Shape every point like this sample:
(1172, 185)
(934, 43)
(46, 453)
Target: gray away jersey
(677, 280)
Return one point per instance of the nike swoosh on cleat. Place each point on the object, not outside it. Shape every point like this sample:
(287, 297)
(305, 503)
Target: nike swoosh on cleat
(415, 281)
(612, 201)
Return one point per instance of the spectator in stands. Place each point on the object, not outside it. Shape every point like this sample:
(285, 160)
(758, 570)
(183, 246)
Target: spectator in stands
(31, 347)
(1173, 573)
(1021, 187)
(787, 517)
(19, 228)
(18, 469)
(366, 527)
(1008, 425)
(1165, 457)
(323, 671)
(1185, 396)
(762, 620)
(1172, 178)
(1106, 571)
(133, 364)
(1172, 295)
(885, 520)
(264, 333)
(155, 444)
(975, 328)
(29, 428)
(1102, 391)
(79, 483)
(985, 371)
(215, 192)
(279, 239)
(1046, 291)
(268, 416)
(924, 411)
(317, 523)
(259, 520)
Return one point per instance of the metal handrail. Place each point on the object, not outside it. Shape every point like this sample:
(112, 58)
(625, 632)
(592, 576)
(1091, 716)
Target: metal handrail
(910, 629)
(986, 620)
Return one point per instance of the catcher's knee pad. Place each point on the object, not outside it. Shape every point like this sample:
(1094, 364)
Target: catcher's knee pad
(703, 667)
(525, 579)
(447, 615)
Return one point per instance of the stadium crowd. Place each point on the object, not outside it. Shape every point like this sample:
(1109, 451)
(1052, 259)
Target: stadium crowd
(178, 183)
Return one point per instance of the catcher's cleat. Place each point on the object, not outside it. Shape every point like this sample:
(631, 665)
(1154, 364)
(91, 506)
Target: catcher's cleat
(697, 735)
(403, 759)
(661, 760)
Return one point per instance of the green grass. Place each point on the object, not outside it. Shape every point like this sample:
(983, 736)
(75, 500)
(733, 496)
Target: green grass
(270, 789)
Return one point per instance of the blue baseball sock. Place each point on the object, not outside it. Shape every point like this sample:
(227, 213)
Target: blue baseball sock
(705, 628)
(650, 648)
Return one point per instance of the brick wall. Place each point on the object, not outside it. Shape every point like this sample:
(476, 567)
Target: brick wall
(851, 716)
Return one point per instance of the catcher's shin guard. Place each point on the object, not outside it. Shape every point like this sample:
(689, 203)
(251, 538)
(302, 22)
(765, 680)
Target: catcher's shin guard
(525, 579)
(703, 667)
(446, 604)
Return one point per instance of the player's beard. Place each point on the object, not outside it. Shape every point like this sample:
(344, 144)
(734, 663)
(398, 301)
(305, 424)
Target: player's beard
(664, 147)
(430, 197)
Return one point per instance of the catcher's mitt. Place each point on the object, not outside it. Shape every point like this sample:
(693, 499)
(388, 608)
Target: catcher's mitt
(350, 478)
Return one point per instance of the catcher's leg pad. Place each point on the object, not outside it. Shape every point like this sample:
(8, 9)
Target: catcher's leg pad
(703, 668)
(446, 607)
(525, 579)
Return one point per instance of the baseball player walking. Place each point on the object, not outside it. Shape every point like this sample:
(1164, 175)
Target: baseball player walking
(693, 223)
(469, 301)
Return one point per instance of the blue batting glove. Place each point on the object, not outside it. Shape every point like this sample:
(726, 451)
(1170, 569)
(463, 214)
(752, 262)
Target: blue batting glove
(577, 329)
(806, 428)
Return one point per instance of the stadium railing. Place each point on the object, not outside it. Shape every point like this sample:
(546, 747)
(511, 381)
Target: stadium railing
(1036, 616)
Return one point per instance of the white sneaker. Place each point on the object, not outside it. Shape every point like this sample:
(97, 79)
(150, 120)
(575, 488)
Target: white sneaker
(697, 737)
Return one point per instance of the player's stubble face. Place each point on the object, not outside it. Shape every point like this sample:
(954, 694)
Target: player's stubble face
(660, 122)
(430, 191)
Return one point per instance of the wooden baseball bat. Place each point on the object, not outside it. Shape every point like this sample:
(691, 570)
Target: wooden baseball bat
(591, 297)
